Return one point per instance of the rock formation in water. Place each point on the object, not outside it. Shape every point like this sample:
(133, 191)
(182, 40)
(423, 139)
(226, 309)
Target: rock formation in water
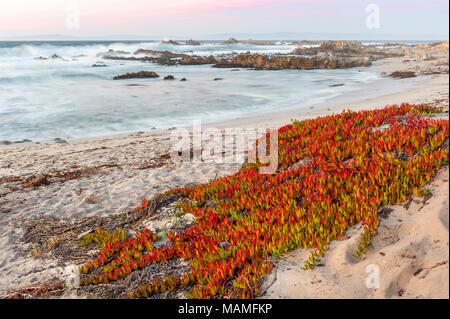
(192, 42)
(138, 75)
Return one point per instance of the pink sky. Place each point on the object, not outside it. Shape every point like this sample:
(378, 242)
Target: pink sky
(203, 17)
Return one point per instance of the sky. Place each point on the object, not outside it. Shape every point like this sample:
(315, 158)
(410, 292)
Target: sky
(196, 18)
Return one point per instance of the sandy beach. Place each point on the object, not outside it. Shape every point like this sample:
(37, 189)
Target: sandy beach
(111, 175)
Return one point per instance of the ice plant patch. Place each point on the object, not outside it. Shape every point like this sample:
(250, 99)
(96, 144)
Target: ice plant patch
(334, 172)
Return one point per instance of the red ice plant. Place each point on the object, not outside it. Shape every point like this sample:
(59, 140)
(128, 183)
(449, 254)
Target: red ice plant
(351, 167)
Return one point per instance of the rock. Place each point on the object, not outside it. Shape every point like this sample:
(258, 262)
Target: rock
(169, 77)
(60, 141)
(254, 42)
(218, 79)
(336, 85)
(230, 41)
(170, 42)
(112, 52)
(403, 74)
(383, 73)
(192, 42)
(339, 46)
(138, 75)
(100, 65)
(197, 60)
(183, 79)
(55, 56)
(23, 141)
(281, 62)
(5, 142)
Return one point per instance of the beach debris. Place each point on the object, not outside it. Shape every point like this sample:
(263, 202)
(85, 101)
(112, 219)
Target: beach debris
(90, 199)
(138, 75)
(336, 85)
(36, 181)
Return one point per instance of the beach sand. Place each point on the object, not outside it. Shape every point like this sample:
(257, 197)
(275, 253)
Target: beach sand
(103, 176)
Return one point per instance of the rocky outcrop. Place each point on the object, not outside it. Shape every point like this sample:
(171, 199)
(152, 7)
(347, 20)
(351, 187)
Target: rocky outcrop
(55, 56)
(348, 49)
(192, 42)
(112, 52)
(170, 42)
(403, 74)
(254, 42)
(138, 75)
(197, 60)
(230, 41)
(262, 62)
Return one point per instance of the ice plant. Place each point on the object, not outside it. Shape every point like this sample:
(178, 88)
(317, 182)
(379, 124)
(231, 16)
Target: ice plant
(334, 172)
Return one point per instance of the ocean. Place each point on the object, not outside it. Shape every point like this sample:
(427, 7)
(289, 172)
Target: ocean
(68, 98)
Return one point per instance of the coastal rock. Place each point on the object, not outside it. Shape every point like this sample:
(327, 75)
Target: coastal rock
(340, 46)
(183, 80)
(254, 42)
(230, 41)
(192, 42)
(99, 65)
(169, 77)
(197, 60)
(55, 57)
(138, 75)
(113, 52)
(60, 141)
(282, 62)
(23, 141)
(170, 42)
(403, 74)
(5, 142)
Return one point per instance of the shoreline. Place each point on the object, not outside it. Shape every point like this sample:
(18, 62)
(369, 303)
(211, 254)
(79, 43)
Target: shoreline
(369, 96)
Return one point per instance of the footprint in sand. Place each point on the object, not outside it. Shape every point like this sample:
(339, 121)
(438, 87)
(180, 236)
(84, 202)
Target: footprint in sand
(443, 214)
